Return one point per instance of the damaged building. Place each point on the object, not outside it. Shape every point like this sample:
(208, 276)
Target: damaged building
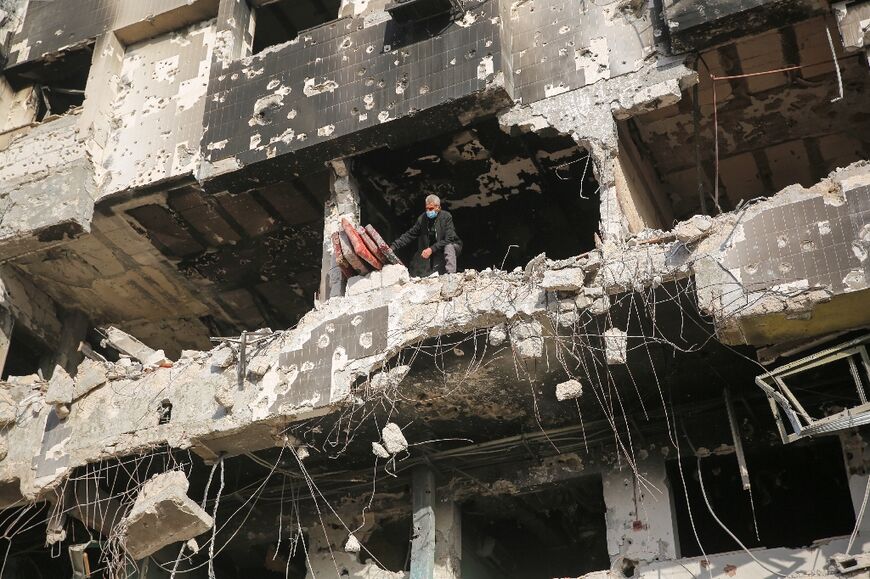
(652, 361)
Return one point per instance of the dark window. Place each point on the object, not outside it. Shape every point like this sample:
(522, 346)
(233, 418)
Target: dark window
(281, 21)
(800, 492)
(556, 532)
(60, 82)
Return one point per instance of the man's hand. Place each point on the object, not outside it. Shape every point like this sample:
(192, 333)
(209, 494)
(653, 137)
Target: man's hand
(427, 253)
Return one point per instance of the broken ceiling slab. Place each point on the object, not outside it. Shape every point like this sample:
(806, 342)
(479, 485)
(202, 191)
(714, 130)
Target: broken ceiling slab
(127, 344)
(694, 24)
(162, 514)
(46, 189)
(792, 266)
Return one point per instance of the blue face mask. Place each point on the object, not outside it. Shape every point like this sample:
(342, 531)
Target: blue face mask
(431, 214)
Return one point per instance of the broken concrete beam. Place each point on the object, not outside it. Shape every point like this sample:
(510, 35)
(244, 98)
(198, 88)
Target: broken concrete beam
(568, 390)
(569, 279)
(127, 344)
(162, 514)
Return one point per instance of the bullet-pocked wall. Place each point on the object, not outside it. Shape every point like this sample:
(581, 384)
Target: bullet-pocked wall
(346, 86)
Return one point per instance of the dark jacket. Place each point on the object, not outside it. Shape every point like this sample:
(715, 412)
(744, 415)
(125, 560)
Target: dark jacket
(445, 233)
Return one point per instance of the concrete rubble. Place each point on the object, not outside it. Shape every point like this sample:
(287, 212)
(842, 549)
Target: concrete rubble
(647, 193)
(162, 514)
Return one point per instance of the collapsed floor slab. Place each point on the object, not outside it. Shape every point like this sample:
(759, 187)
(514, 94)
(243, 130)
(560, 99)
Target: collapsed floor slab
(310, 370)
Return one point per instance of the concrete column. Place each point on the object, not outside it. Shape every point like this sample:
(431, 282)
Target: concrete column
(423, 539)
(641, 525)
(448, 540)
(7, 321)
(343, 202)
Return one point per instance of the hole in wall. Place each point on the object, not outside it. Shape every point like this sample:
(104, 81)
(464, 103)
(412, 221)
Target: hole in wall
(511, 198)
(775, 130)
(800, 492)
(556, 532)
(26, 353)
(59, 81)
(282, 21)
(390, 543)
(164, 413)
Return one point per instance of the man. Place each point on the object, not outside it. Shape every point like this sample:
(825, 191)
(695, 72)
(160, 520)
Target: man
(438, 245)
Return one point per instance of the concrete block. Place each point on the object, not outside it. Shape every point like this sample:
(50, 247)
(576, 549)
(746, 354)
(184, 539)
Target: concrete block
(61, 387)
(394, 274)
(127, 344)
(361, 284)
(567, 280)
(497, 335)
(527, 339)
(615, 346)
(223, 357)
(394, 440)
(379, 451)
(157, 359)
(568, 390)
(162, 514)
(91, 374)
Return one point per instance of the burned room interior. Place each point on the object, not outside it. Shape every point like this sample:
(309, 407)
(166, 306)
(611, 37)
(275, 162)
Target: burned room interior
(650, 361)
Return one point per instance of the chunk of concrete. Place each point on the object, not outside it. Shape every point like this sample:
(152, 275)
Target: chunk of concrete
(694, 229)
(352, 544)
(497, 335)
(569, 279)
(451, 285)
(157, 359)
(615, 346)
(91, 374)
(8, 409)
(379, 451)
(568, 390)
(394, 274)
(61, 387)
(223, 357)
(361, 284)
(527, 338)
(127, 344)
(162, 514)
(394, 440)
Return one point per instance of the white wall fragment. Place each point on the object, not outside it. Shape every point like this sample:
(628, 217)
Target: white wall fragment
(615, 346)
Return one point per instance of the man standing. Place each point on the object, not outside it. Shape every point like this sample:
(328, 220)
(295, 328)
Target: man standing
(437, 242)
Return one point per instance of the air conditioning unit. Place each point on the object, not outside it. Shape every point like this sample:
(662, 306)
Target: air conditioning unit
(418, 10)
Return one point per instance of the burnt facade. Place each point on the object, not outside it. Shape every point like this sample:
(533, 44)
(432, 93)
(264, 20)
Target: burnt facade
(652, 361)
